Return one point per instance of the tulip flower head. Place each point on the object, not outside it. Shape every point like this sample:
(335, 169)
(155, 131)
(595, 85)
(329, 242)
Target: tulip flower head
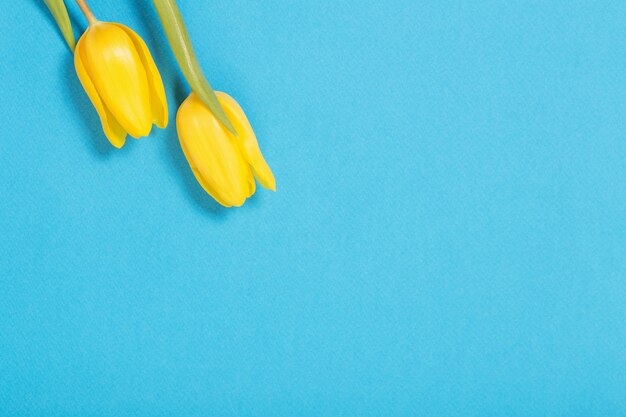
(118, 73)
(224, 164)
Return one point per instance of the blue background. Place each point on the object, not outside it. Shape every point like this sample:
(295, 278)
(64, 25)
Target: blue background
(448, 236)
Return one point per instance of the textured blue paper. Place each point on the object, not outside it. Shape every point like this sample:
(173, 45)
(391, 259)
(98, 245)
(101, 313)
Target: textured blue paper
(448, 236)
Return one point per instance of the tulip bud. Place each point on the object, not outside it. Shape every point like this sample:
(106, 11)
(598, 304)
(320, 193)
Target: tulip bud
(118, 73)
(225, 165)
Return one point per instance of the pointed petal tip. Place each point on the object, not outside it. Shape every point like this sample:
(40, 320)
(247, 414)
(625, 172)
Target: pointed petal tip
(267, 181)
(264, 176)
(161, 124)
(227, 201)
(119, 144)
(140, 132)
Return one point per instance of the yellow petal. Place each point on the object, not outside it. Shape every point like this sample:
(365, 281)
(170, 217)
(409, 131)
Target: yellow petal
(158, 101)
(112, 129)
(213, 156)
(117, 72)
(251, 185)
(248, 141)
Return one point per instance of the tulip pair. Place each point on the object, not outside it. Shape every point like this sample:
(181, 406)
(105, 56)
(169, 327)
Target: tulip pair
(122, 81)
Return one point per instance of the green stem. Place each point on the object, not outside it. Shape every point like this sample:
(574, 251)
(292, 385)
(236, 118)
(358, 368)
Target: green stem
(59, 12)
(86, 11)
(180, 43)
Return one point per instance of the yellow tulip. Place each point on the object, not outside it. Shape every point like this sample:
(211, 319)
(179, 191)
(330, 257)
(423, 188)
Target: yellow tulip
(225, 165)
(118, 73)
